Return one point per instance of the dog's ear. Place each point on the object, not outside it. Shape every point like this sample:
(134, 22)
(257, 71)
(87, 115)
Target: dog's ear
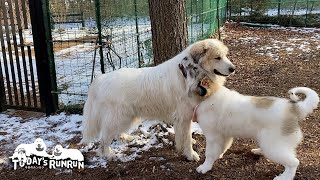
(183, 70)
(198, 50)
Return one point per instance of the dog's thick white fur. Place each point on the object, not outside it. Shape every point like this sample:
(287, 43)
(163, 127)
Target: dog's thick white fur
(117, 99)
(271, 121)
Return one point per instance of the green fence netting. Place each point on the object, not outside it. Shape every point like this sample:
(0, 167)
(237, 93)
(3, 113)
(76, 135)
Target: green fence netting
(305, 13)
(123, 29)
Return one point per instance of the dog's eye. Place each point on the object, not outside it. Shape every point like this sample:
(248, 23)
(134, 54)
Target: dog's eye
(218, 58)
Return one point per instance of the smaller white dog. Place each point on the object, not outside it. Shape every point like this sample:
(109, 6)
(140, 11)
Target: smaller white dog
(20, 154)
(273, 122)
(38, 148)
(60, 153)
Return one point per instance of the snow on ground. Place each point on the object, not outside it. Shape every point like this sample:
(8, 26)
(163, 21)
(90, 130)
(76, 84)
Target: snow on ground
(274, 50)
(65, 130)
(274, 12)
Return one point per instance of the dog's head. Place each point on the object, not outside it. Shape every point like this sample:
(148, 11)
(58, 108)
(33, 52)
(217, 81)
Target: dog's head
(197, 81)
(40, 145)
(57, 151)
(211, 56)
(21, 152)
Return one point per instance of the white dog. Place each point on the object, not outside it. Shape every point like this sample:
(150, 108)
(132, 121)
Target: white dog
(41, 148)
(117, 99)
(60, 153)
(20, 154)
(273, 122)
(38, 148)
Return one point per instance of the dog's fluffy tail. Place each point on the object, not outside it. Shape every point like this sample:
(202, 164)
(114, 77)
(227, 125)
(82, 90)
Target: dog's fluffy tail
(90, 126)
(307, 105)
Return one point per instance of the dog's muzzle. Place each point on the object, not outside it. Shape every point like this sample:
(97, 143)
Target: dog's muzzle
(231, 70)
(39, 149)
(57, 153)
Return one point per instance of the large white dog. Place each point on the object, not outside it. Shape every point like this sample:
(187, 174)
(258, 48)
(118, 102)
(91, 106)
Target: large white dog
(273, 122)
(117, 99)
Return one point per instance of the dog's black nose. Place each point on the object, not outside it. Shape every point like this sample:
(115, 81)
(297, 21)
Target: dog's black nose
(231, 69)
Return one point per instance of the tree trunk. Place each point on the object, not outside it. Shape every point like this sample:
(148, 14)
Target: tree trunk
(169, 28)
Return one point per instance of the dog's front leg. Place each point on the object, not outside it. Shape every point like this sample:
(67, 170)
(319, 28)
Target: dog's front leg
(214, 148)
(183, 138)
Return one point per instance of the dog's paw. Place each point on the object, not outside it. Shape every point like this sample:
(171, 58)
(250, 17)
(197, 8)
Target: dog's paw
(203, 169)
(256, 151)
(125, 138)
(106, 153)
(193, 141)
(193, 156)
(282, 177)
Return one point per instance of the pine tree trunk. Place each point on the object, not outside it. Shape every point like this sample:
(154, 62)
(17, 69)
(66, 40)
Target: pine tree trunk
(169, 28)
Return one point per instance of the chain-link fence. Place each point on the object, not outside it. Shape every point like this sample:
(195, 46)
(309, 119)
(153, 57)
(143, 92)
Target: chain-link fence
(94, 36)
(304, 13)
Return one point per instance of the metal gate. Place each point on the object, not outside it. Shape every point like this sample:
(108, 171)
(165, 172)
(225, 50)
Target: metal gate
(24, 74)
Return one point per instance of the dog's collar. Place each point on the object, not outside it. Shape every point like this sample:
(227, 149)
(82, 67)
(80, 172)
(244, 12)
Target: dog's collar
(39, 149)
(57, 153)
(205, 83)
(202, 87)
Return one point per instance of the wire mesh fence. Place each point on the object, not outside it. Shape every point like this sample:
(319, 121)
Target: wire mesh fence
(204, 17)
(91, 37)
(304, 13)
(80, 54)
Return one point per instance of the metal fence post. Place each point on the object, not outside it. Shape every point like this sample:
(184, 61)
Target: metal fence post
(137, 32)
(98, 22)
(306, 18)
(43, 49)
(279, 4)
(218, 19)
(82, 19)
(3, 99)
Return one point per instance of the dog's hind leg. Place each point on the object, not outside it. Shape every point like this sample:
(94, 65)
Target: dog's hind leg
(112, 126)
(282, 152)
(285, 157)
(227, 144)
(105, 150)
(214, 148)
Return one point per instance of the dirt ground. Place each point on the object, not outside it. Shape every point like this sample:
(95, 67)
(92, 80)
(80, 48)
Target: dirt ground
(258, 73)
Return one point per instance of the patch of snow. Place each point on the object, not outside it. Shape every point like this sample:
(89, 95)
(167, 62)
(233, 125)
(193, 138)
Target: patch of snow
(249, 39)
(289, 49)
(274, 12)
(62, 128)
